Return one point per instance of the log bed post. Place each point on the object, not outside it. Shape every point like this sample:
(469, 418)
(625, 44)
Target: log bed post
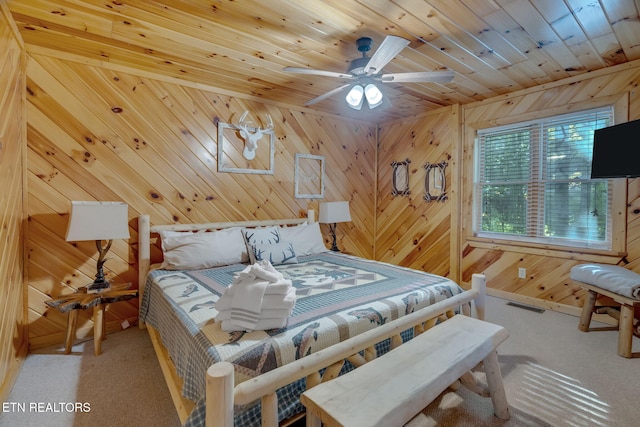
(219, 398)
(144, 257)
(479, 283)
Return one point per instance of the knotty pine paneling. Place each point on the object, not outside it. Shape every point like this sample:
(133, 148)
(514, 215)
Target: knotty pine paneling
(13, 323)
(411, 231)
(494, 47)
(547, 282)
(98, 134)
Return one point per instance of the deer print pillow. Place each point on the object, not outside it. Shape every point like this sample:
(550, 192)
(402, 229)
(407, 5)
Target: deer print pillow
(262, 236)
(276, 253)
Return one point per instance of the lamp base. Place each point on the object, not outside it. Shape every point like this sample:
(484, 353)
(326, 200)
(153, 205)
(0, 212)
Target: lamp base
(334, 245)
(98, 286)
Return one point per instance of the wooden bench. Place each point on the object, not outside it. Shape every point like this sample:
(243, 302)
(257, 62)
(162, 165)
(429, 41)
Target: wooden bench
(597, 280)
(624, 317)
(390, 390)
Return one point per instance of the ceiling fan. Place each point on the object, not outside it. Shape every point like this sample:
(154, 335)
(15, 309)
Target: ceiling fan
(365, 72)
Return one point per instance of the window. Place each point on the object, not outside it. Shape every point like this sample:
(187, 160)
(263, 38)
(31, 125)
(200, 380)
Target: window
(533, 183)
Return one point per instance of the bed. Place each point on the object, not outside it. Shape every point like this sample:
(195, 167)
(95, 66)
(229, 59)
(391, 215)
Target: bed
(348, 310)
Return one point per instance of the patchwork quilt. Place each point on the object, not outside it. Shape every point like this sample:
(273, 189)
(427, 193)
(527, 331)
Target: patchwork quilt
(338, 296)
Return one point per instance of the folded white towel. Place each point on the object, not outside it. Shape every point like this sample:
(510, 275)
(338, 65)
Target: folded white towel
(277, 284)
(250, 286)
(247, 302)
(261, 270)
(264, 270)
(278, 313)
(261, 325)
(278, 288)
(268, 301)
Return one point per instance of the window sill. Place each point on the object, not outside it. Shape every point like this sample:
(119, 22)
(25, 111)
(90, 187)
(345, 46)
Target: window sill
(580, 254)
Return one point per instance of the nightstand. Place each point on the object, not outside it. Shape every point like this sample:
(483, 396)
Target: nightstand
(83, 300)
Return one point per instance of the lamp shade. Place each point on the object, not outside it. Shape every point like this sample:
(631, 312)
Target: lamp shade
(333, 212)
(98, 221)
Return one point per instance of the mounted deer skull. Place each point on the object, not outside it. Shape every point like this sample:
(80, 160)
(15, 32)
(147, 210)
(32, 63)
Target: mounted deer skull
(252, 135)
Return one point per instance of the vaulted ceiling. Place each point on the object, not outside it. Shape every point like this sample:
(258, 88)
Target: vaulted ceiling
(241, 46)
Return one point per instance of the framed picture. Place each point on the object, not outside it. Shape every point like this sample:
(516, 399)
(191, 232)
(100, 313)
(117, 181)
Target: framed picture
(309, 176)
(231, 146)
(400, 178)
(435, 184)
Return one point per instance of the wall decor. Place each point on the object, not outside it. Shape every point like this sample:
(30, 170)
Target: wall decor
(309, 176)
(435, 183)
(400, 178)
(252, 135)
(239, 147)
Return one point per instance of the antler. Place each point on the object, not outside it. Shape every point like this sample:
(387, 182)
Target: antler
(251, 136)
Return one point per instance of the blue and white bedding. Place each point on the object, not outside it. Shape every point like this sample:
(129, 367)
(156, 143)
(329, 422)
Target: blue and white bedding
(338, 296)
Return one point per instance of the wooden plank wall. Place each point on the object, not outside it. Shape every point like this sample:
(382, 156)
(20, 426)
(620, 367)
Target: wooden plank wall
(411, 231)
(547, 283)
(99, 134)
(434, 236)
(13, 324)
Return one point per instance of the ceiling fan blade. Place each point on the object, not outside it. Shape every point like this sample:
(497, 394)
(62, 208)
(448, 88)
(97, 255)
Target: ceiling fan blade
(390, 47)
(326, 95)
(421, 76)
(316, 72)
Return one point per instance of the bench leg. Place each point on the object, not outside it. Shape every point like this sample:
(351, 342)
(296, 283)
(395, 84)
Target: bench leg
(496, 388)
(587, 311)
(625, 330)
(312, 420)
(471, 383)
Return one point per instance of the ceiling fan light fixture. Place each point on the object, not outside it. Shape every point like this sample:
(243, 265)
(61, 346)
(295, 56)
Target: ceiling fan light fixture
(364, 72)
(373, 95)
(355, 97)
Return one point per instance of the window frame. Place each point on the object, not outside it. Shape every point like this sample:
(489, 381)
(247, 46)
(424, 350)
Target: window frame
(618, 187)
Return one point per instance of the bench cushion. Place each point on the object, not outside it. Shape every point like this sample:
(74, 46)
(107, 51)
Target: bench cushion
(612, 278)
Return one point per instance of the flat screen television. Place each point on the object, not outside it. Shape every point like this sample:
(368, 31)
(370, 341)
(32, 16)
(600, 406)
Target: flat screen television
(615, 151)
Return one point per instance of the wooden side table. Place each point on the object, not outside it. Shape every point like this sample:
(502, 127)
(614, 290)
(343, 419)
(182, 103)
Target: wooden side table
(71, 303)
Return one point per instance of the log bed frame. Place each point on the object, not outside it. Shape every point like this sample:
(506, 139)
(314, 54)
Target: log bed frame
(221, 395)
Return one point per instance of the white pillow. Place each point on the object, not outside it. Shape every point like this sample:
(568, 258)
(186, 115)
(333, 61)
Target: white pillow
(190, 251)
(164, 235)
(306, 238)
(260, 235)
(172, 233)
(275, 253)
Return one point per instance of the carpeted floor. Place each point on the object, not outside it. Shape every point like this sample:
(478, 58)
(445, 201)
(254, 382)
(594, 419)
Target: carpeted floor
(554, 375)
(123, 386)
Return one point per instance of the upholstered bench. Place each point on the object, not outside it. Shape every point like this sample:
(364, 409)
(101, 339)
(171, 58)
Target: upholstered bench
(618, 283)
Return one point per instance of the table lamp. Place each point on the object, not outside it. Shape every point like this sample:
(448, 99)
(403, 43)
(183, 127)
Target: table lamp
(331, 213)
(99, 221)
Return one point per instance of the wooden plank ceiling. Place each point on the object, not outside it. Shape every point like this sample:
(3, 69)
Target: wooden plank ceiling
(241, 46)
